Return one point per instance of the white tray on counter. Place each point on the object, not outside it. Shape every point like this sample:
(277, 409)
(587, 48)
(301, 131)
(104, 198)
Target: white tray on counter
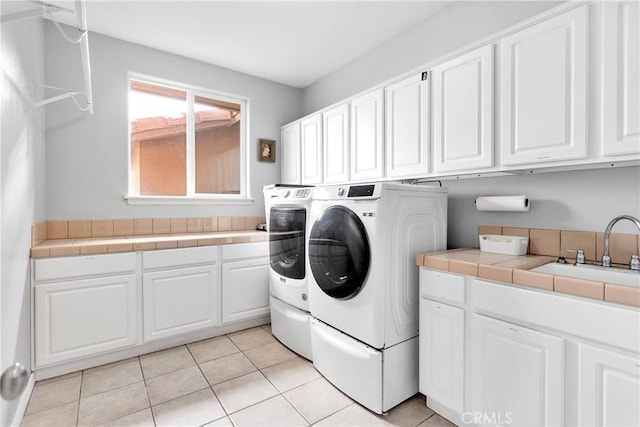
(507, 245)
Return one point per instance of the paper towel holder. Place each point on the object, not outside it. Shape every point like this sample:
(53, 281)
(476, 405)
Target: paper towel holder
(520, 203)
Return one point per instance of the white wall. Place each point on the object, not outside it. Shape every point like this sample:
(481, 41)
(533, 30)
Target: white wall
(22, 180)
(579, 200)
(87, 155)
(454, 27)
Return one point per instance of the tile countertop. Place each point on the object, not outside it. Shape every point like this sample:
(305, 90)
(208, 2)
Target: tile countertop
(101, 245)
(515, 269)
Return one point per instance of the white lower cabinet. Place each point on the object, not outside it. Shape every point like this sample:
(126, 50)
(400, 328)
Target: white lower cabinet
(78, 318)
(84, 305)
(179, 300)
(498, 354)
(245, 281)
(97, 307)
(441, 369)
(180, 291)
(609, 391)
(442, 353)
(517, 374)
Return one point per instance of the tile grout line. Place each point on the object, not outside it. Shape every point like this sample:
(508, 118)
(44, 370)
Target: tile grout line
(226, 414)
(264, 376)
(272, 384)
(53, 407)
(123, 386)
(82, 373)
(146, 390)
(79, 397)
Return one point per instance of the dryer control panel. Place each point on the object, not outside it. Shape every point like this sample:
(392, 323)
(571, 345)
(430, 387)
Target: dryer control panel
(361, 190)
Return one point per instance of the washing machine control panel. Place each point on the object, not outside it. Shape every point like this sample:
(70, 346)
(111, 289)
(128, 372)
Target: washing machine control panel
(302, 193)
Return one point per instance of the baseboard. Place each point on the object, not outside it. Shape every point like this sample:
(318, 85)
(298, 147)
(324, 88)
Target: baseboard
(44, 372)
(445, 412)
(24, 401)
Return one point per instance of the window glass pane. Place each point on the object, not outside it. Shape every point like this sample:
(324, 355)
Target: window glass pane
(157, 116)
(217, 146)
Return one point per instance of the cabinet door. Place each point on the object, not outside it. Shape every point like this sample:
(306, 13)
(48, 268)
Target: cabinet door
(544, 89)
(311, 133)
(517, 374)
(442, 353)
(335, 141)
(407, 127)
(367, 153)
(179, 301)
(84, 317)
(609, 388)
(245, 289)
(463, 112)
(290, 154)
(621, 78)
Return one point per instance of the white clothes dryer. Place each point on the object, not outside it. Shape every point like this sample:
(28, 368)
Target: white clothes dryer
(363, 292)
(287, 214)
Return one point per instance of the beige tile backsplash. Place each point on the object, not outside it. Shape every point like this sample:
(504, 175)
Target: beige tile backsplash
(142, 226)
(79, 229)
(102, 228)
(178, 225)
(544, 242)
(84, 229)
(573, 240)
(557, 242)
(123, 227)
(621, 247)
(57, 229)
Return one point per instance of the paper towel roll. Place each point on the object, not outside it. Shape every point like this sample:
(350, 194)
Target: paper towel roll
(503, 203)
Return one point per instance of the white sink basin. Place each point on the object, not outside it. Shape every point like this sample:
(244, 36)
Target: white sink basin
(616, 276)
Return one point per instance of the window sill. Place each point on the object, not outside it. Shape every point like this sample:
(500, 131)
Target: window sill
(188, 200)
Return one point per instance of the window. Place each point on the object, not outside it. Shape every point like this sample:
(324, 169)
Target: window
(186, 143)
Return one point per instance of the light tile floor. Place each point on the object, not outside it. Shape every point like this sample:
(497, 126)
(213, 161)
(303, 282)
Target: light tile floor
(245, 378)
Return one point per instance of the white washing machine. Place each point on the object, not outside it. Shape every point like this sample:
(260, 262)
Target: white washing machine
(287, 214)
(363, 289)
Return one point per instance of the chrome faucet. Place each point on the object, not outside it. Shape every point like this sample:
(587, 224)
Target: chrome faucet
(606, 259)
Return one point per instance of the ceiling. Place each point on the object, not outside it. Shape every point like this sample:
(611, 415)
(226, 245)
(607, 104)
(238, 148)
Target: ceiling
(290, 42)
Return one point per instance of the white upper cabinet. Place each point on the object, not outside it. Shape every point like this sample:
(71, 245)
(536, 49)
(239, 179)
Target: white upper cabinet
(335, 142)
(290, 154)
(367, 146)
(620, 78)
(407, 127)
(544, 91)
(463, 112)
(311, 134)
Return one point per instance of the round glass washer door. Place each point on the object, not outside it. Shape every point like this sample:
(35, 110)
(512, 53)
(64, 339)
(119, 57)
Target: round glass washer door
(339, 252)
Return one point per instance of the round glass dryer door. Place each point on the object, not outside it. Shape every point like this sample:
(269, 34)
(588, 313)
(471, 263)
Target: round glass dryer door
(339, 252)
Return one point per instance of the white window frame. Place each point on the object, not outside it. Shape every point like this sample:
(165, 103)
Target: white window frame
(193, 198)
